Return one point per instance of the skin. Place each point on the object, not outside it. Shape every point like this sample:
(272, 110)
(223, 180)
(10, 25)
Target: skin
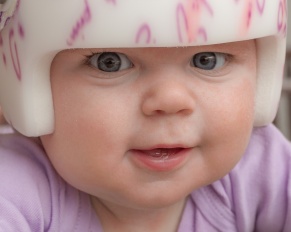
(101, 117)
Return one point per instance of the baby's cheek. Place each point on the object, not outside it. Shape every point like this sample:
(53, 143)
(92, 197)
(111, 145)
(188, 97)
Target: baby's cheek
(244, 104)
(227, 135)
(231, 115)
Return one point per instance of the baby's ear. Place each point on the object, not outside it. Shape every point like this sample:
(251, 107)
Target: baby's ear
(7, 9)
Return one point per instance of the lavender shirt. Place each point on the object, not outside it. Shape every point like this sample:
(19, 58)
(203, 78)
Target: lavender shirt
(254, 196)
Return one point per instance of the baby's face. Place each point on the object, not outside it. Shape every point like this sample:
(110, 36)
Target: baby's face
(142, 128)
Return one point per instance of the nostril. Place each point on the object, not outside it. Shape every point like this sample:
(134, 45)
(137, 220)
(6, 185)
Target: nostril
(159, 108)
(160, 112)
(182, 111)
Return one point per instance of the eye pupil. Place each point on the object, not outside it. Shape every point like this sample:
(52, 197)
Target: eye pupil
(109, 62)
(205, 60)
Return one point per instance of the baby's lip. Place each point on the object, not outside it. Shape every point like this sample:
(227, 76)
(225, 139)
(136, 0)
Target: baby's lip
(162, 152)
(163, 146)
(161, 158)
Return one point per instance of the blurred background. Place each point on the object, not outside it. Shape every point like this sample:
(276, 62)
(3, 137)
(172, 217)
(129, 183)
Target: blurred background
(283, 118)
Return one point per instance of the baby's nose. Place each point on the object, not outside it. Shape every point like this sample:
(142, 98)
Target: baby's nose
(168, 97)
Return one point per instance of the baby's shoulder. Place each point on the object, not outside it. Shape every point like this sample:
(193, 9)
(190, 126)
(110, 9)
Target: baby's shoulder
(267, 150)
(26, 179)
(33, 197)
(255, 195)
(23, 161)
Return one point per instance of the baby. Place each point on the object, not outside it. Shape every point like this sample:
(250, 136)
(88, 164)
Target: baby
(143, 116)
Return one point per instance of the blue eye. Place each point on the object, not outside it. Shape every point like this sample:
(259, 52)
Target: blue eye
(110, 61)
(208, 60)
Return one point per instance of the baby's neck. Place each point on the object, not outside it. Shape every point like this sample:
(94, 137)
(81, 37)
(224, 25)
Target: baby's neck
(123, 219)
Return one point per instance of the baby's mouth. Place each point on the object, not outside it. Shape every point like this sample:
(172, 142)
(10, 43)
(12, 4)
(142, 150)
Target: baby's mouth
(160, 159)
(162, 153)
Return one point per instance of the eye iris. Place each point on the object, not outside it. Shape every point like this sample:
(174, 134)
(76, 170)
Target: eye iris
(109, 62)
(205, 60)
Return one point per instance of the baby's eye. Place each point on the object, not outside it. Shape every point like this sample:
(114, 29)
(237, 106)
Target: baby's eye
(209, 60)
(109, 61)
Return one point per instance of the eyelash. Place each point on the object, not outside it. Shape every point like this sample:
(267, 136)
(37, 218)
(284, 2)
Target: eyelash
(88, 57)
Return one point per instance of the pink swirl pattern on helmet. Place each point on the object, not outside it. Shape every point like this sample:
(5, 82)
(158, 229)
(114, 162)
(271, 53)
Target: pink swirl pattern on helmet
(15, 36)
(282, 17)
(144, 32)
(14, 50)
(188, 16)
(112, 1)
(6, 15)
(84, 19)
(251, 9)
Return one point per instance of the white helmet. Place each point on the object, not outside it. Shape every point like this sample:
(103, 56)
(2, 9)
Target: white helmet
(34, 31)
